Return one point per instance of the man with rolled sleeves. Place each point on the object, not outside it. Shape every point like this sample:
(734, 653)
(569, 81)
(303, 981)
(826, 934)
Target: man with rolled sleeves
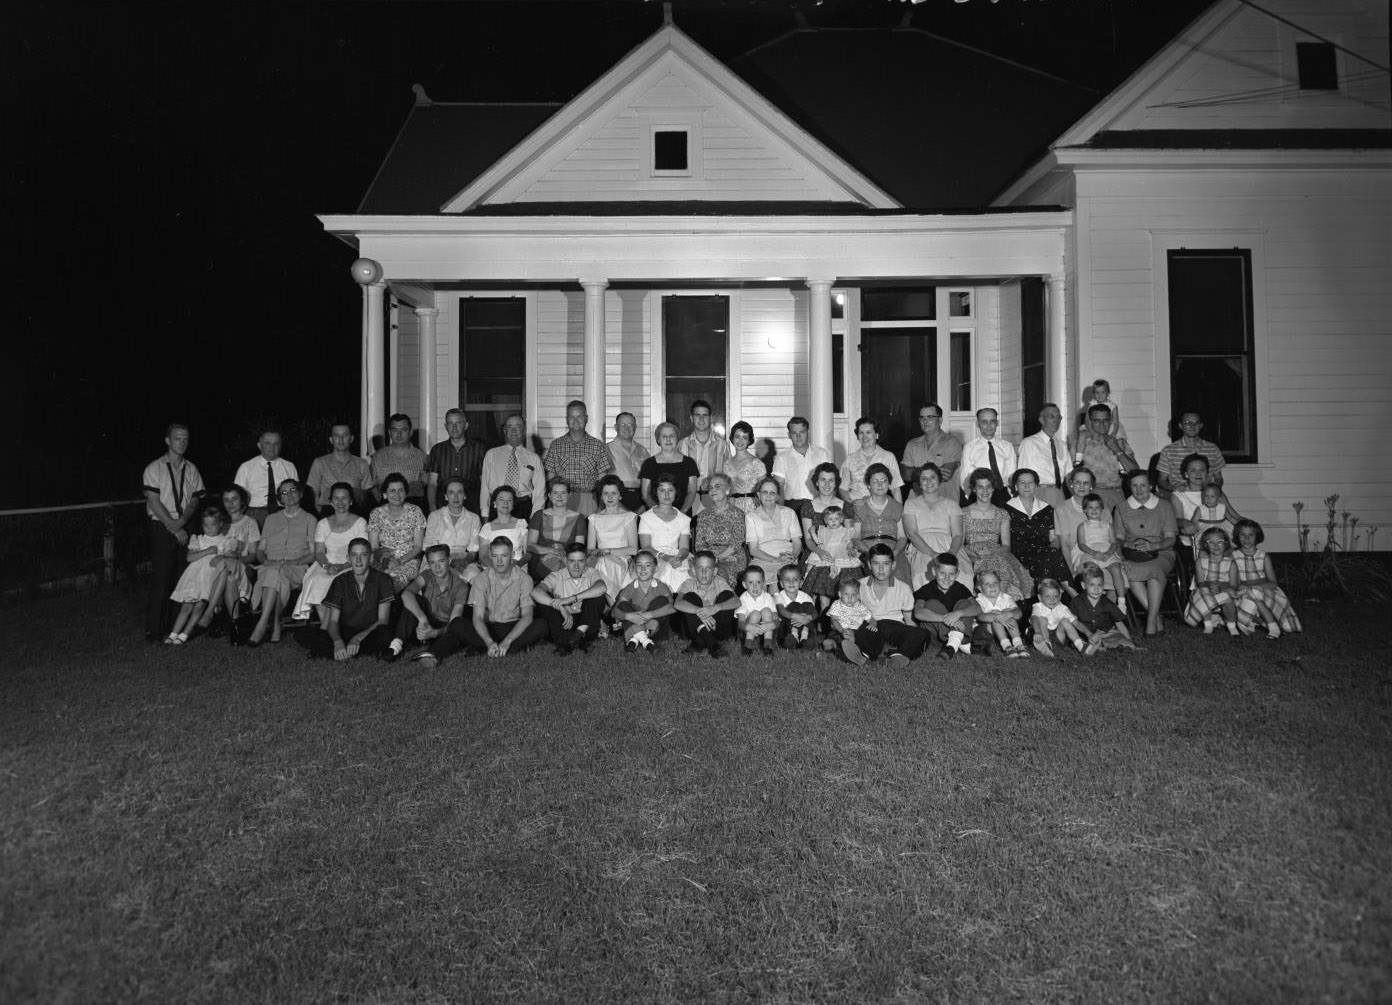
(935, 446)
(173, 488)
(1046, 454)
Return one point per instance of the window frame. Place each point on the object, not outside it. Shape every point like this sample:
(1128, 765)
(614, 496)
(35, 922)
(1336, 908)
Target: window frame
(455, 309)
(678, 123)
(657, 389)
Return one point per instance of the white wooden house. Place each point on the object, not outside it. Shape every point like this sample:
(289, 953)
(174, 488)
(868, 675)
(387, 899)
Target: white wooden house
(672, 233)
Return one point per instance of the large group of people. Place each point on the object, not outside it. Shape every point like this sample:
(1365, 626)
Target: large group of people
(1059, 542)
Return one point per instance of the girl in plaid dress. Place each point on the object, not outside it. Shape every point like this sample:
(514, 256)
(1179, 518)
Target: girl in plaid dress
(1259, 599)
(1215, 584)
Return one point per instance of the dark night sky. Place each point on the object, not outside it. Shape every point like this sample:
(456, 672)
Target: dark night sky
(165, 163)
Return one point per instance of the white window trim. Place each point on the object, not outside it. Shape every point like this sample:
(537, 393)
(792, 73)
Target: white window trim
(947, 306)
(530, 387)
(691, 126)
(1253, 241)
(734, 338)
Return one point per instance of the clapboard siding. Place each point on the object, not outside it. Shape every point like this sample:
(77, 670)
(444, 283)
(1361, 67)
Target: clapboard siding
(1323, 325)
(1012, 400)
(560, 316)
(407, 378)
(628, 360)
(773, 359)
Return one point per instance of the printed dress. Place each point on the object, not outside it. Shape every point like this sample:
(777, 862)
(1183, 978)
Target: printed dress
(1209, 599)
(982, 534)
(398, 535)
(716, 531)
(1251, 568)
(744, 471)
(197, 580)
(1029, 541)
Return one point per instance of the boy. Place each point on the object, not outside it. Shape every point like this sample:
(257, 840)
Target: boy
(430, 602)
(643, 606)
(1050, 617)
(707, 606)
(947, 608)
(1100, 621)
(797, 612)
(358, 605)
(891, 602)
(571, 601)
(503, 618)
(757, 615)
(999, 614)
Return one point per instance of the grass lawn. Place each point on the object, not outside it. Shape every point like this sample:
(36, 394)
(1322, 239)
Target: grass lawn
(1206, 820)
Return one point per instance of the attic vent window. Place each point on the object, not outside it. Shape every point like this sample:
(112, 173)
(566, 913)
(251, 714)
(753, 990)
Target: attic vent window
(670, 151)
(1317, 66)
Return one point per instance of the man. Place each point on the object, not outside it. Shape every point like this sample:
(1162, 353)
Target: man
(173, 488)
(579, 458)
(1171, 463)
(628, 455)
(339, 465)
(1104, 456)
(572, 601)
(455, 456)
(792, 469)
(853, 485)
(990, 452)
(502, 620)
(261, 475)
(430, 601)
(935, 446)
(706, 447)
(1046, 453)
(358, 610)
(513, 465)
(402, 457)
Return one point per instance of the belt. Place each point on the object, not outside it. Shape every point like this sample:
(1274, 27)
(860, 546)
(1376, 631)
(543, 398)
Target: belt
(741, 495)
(880, 537)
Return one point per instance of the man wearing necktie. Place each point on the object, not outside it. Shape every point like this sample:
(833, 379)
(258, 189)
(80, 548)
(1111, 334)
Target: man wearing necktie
(1046, 453)
(513, 465)
(990, 452)
(262, 475)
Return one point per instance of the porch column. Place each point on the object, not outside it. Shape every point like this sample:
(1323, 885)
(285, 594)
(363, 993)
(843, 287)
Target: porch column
(1058, 344)
(594, 361)
(819, 361)
(426, 317)
(368, 275)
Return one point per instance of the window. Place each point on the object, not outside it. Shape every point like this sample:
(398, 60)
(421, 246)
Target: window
(695, 341)
(1032, 371)
(961, 371)
(670, 151)
(1317, 65)
(898, 303)
(1212, 358)
(492, 362)
(959, 303)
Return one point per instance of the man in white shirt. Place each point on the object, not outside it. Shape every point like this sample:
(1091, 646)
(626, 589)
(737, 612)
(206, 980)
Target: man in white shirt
(990, 452)
(261, 475)
(704, 446)
(792, 469)
(1046, 453)
(513, 464)
(173, 489)
(629, 456)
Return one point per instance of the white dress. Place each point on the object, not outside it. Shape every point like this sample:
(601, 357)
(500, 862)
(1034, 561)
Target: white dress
(516, 534)
(316, 581)
(611, 531)
(665, 536)
(196, 583)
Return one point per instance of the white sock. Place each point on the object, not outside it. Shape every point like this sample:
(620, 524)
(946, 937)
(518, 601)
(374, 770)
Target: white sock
(954, 639)
(396, 646)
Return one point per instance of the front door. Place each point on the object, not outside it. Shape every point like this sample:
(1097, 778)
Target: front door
(899, 374)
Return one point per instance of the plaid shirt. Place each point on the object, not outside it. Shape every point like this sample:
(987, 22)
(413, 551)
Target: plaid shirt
(581, 462)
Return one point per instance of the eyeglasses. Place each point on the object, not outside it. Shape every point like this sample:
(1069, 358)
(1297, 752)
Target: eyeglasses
(289, 492)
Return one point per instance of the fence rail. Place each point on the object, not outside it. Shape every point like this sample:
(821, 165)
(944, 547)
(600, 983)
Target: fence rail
(49, 549)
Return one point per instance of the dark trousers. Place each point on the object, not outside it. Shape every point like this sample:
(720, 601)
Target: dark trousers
(319, 644)
(591, 615)
(940, 631)
(461, 634)
(630, 629)
(785, 626)
(699, 635)
(406, 624)
(891, 635)
(166, 560)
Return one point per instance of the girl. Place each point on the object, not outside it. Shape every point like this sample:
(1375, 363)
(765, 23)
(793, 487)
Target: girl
(1213, 511)
(503, 524)
(797, 612)
(742, 468)
(1050, 617)
(1000, 614)
(1259, 599)
(332, 535)
(1098, 544)
(757, 615)
(834, 553)
(210, 555)
(987, 536)
(847, 616)
(1215, 584)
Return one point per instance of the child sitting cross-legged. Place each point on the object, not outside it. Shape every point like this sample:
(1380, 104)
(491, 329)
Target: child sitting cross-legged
(946, 608)
(571, 601)
(1052, 619)
(643, 606)
(1000, 614)
(429, 603)
(1215, 584)
(797, 611)
(757, 614)
(1100, 620)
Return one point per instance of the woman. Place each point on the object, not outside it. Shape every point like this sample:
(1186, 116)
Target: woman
(503, 524)
(241, 527)
(551, 530)
(858, 462)
(933, 525)
(1146, 532)
(613, 536)
(455, 527)
(284, 551)
(880, 518)
(665, 531)
(986, 537)
(826, 491)
(396, 531)
(772, 531)
(672, 462)
(1189, 497)
(720, 530)
(1033, 539)
(332, 536)
(1069, 516)
(744, 471)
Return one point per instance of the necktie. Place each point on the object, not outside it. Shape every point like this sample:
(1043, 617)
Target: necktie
(995, 468)
(272, 501)
(511, 477)
(1053, 452)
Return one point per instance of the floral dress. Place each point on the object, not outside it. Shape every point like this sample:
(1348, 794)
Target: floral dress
(716, 531)
(398, 535)
(1249, 569)
(982, 534)
(1029, 541)
(744, 471)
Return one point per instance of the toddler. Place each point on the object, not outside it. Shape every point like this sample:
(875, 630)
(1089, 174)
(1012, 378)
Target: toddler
(757, 615)
(1215, 584)
(797, 613)
(1100, 393)
(835, 553)
(1098, 544)
(1212, 511)
(1051, 619)
(1100, 621)
(999, 614)
(211, 555)
(848, 615)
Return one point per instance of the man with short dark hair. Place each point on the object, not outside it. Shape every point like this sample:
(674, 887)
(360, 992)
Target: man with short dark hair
(1104, 455)
(262, 475)
(579, 458)
(1170, 467)
(456, 456)
(991, 452)
(358, 610)
(401, 456)
(173, 488)
(793, 468)
(339, 465)
(502, 619)
(935, 446)
(706, 447)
